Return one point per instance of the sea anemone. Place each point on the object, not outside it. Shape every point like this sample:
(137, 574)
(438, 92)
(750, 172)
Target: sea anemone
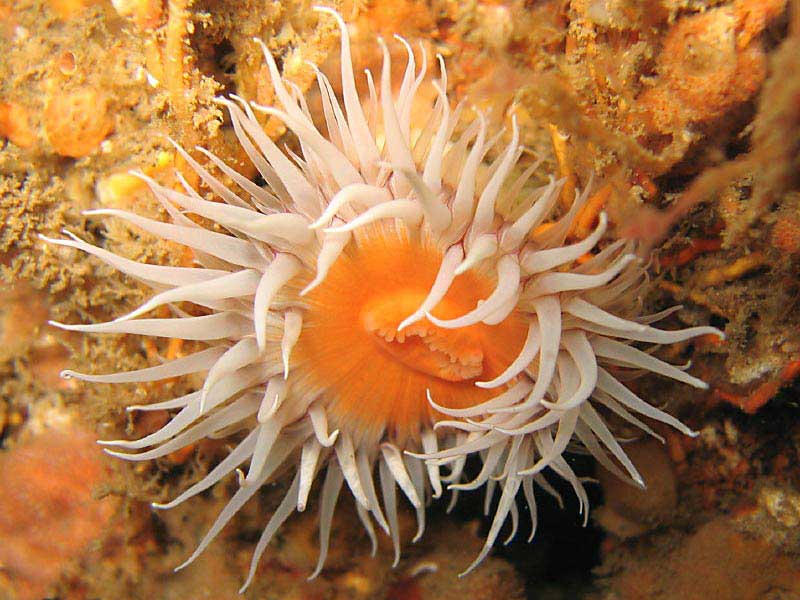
(385, 307)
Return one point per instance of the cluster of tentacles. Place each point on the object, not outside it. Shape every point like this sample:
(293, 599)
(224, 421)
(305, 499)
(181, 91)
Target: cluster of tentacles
(386, 306)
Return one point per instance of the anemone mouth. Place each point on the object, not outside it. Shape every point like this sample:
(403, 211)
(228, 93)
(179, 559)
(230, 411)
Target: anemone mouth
(375, 375)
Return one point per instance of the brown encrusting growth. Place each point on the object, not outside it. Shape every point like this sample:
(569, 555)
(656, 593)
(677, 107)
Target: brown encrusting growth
(687, 114)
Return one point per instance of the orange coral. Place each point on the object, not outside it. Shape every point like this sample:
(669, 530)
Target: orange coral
(77, 123)
(48, 515)
(703, 71)
(15, 124)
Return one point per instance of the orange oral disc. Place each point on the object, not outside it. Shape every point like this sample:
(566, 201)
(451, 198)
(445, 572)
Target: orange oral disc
(374, 377)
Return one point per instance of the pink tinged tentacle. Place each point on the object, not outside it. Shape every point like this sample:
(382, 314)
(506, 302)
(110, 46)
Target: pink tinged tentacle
(309, 461)
(595, 422)
(338, 129)
(278, 518)
(341, 169)
(209, 327)
(232, 285)
(366, 522)
(257, 156)
(242, 495)
(579, 348)
(373, 105)
(228, 387)
(319, 422)
(234, 458)
(278, 171)
(405, 210)
(332, 246)
(563, 470)
(653, 335)
(545, 260)
(555, 235)
(366, 149)
(280, 271)
(292, 228)
(328, 497)
(432, 171)
(292, 327)
(215, 184)
(444, 278)
(464, 200)
(586, 436)
(220, 245)
(238, 410)
(490, 462)
(150, 274)
(555, 283)
(491, 487)
(414, 468)
(188, 414)
(508, 276)
(257, 193)
(268, 434)
(608, 384)
(390, 503)
(530, 498)
(566, 429)
(430, 446)
(514, 524)
(510, 489)
(485, 210)
(199, 361)
(357, 193)
(513, 237)
(589, 312)
(275, 393)
(394, 462)
(241, 354)
(504, 310)
(437, 215)
(611, 349)
(548, 316)
(482, 248)
(617, 408)
(345, 453)
(365, 468)
(545, 485)
(410, 85)
(652, 318)
(529, 351)
(396, 145)
(165, 405)
(511, 396)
